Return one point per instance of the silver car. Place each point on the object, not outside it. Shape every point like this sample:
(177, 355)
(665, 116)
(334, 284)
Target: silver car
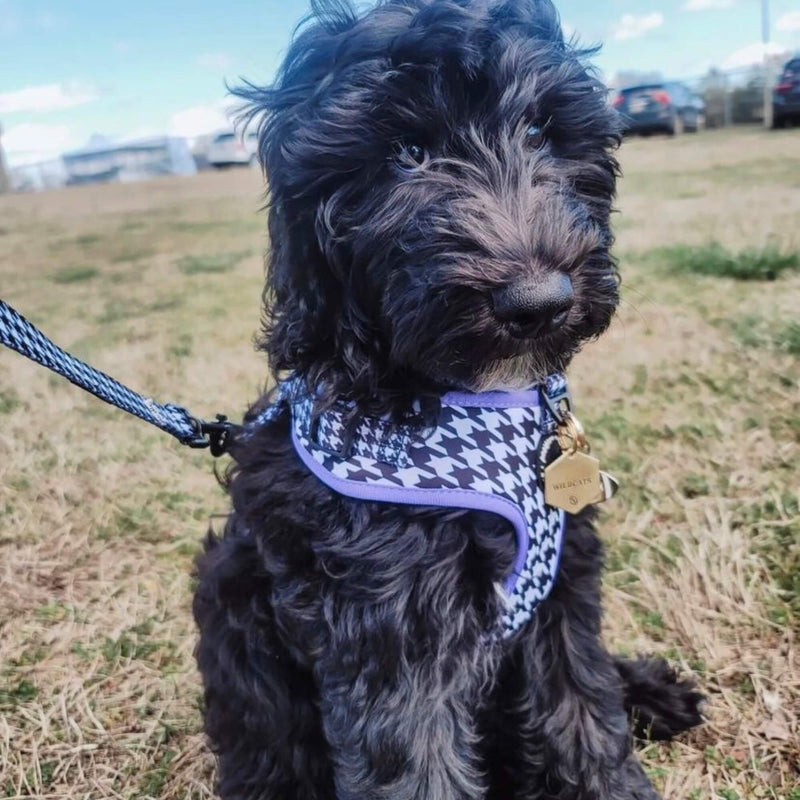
(229, 149)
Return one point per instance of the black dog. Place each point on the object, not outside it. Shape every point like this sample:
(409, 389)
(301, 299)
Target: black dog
(441, 176)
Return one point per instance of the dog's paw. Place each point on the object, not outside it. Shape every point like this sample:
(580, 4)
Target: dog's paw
(660, 703)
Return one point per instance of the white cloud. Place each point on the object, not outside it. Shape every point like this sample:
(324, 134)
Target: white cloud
(122, 47)
(790, 21)
(195, 121)
(752, 54)
(631, 26)
(706, 5)
(214, 60)
(48, 97)
(31, 142)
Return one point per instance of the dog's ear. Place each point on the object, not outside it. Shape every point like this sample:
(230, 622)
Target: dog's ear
(279, 109)
(299, 293)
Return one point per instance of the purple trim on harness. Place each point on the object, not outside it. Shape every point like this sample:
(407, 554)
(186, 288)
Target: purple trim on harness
(450, 498)
(562, 524)
(528, 398)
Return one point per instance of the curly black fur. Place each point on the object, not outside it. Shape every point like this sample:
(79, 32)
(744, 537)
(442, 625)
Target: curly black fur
(420, 156)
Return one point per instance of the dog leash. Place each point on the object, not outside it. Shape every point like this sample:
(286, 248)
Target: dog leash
(27, 340)
(573, 481)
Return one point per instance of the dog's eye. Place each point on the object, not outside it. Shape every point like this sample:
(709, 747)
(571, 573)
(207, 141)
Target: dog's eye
(535, 136)
(410, 156)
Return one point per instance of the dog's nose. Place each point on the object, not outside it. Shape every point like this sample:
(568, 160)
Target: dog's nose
(534, 307)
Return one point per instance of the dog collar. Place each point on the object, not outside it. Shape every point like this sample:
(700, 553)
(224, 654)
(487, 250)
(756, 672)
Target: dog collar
(486, 452)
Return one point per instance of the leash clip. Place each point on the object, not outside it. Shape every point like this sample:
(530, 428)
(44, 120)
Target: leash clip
(558, 401)
(215, 435)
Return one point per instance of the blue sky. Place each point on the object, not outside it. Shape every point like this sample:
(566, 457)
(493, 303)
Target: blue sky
(73, 68)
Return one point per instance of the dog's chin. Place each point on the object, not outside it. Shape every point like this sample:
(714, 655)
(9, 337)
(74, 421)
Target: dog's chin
(513, 363)
(504, 373)
(509, 374)
(493, 357)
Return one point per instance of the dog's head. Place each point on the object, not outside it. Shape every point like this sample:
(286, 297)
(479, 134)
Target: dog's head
(441, 178)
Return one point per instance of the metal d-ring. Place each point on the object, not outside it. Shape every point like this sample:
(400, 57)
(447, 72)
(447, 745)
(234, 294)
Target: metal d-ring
(571, 436)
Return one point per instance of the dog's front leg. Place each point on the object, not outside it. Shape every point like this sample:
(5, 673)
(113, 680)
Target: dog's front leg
(577, 726)
(398, 717)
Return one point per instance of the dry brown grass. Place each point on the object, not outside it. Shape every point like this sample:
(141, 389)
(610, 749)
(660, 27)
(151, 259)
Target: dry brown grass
(101, 515)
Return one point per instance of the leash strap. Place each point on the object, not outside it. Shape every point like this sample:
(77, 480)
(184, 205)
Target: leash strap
(25, 338)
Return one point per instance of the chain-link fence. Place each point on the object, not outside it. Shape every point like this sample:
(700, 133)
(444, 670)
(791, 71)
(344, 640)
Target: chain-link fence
(737, 97)
(727, 97)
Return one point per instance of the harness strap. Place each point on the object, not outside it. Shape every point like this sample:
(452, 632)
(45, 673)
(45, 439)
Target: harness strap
(25, 338)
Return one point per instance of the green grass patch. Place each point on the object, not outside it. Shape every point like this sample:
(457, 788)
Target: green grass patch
(74, 274)
(21, 692)
(755, 331)
(235, 225)
(126, 647)
(182, 348)
(694, 485)
(85, 239)
(126, 256)
(153, 781)
(787, 339)
(132, 225)
(219, 262)
(81, 240)
(777, 519)
(639, 385)
(120, 310)
(750, 264)
(9, 401)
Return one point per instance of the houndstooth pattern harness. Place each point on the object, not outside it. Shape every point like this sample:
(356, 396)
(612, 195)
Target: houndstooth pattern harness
(486, 452)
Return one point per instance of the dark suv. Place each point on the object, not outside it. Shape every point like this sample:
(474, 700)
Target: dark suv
(666, 107)
(786, 95)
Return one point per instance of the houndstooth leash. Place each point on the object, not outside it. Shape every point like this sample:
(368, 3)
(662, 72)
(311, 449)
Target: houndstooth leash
(25, 338)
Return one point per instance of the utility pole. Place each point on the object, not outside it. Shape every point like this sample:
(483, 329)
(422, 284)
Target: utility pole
(767, 83)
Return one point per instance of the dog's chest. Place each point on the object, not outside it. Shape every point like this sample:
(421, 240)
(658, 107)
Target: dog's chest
(485, 453)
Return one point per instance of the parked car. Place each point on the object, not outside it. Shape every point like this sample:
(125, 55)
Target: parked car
(228, 149)
(786, 95)
(667, 107)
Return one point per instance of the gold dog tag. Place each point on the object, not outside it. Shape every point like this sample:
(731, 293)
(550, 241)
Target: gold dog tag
(573, 482)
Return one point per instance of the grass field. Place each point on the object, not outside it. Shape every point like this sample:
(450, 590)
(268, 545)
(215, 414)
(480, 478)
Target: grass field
(692, 399)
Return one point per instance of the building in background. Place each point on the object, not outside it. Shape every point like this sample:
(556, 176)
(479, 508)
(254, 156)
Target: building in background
(104, 161)
(38, 177)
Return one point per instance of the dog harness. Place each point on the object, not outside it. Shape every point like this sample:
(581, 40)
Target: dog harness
(486, 452)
